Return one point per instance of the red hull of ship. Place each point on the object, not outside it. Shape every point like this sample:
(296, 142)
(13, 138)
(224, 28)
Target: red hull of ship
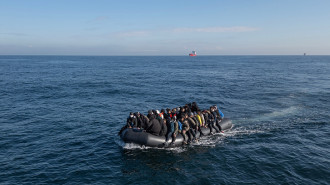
(192, 55)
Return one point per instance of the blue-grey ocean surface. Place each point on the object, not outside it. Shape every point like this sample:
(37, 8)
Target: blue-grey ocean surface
(60, 115)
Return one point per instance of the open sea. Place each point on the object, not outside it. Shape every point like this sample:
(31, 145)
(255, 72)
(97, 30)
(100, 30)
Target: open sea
(60, 115)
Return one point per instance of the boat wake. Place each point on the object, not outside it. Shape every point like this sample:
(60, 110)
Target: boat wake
(132, 146)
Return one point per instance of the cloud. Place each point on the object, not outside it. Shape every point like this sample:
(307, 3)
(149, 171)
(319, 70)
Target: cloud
(215, 29)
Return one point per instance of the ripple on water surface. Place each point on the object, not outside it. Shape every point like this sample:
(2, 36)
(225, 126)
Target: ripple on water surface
(60, 116)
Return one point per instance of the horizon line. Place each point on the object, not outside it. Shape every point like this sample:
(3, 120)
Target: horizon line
(166, 55)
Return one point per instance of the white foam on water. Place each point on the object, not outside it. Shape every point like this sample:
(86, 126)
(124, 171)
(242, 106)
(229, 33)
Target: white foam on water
(132, 146)
(271, 116)
(209, 141)
(243, 131)
(281, 113)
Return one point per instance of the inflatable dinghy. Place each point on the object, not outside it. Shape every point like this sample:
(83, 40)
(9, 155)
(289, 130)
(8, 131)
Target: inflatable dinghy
(140, 137)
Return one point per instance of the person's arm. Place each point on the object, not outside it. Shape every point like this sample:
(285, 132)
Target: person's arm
(221, 114)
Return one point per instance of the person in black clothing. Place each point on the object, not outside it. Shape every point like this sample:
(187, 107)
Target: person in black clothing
(163, 130)
(131, 121)
(167, 117)
(154, 126)
(218, 117)
(138, 119)
(193, 126)
(187, 108)
(142, 120)
(213, 119)
(181, 113)
(194, 107)
(185, 129)
(209, 120)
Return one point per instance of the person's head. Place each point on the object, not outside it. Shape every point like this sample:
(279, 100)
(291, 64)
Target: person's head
(182, 118)
(198, 112)
(174, 110)
(162, 111)
(131, 114)
(168, 111)
(191, 114)
(150, 112)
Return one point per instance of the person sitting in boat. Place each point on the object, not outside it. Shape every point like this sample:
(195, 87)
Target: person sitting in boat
(219, 117)
(206, 117)
(131, 121)
(171, 113)
(187, 108)
(167, 115)
(214, 121)
(192, 127)
(185, 129)
(174, 113)
(178, 112)
(172, 126)
(162, 113)
(182, 112)
(142, 120)
(154, 126)
(163, 130)
(200, 119)
(194, 107)
(209, 121)
(158, 115)
(177, 129)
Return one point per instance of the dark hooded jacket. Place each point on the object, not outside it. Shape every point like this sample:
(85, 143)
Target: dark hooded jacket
(194, 107)
(154, 126)
(142, 121)
(163, 130)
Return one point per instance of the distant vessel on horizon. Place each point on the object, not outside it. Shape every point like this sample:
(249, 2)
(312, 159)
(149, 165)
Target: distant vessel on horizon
(304, 54)
(192, 54)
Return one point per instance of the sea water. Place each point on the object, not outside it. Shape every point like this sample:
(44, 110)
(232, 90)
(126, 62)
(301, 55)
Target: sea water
(60, 115)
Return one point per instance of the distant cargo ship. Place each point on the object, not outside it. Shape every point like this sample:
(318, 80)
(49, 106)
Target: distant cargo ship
(192, 54)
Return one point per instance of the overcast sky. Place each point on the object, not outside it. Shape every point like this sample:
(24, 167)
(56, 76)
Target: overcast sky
(164, 27)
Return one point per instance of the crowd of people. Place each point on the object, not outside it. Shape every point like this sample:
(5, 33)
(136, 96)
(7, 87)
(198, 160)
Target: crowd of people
(184, 120)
